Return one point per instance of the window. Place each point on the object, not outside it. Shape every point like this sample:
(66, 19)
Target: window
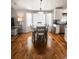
(49, 19)
(36, 18)
(28, 19)
(39, 19)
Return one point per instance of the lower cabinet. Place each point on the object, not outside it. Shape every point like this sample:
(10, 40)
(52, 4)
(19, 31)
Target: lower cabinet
(14, 31)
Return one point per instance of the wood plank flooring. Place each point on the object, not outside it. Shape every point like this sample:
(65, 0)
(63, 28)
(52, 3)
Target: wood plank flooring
(22, 47)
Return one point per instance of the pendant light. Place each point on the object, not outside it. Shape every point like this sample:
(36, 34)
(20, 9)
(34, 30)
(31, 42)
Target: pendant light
(40, 4)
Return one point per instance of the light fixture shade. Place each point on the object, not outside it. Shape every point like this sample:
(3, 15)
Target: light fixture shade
(19, 18)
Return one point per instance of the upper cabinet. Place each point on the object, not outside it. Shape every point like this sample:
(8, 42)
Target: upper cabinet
(58, 13)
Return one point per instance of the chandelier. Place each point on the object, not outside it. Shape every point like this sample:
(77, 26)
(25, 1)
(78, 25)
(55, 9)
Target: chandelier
(40, 4)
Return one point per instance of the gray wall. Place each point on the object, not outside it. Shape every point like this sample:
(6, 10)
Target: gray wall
(13, 14)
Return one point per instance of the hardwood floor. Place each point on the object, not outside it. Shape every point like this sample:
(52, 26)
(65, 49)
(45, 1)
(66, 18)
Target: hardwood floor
(22, 47)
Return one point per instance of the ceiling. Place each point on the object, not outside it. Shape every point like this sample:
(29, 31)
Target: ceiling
(35, 4)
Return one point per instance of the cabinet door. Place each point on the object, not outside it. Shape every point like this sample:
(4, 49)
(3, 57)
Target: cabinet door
(58, 14)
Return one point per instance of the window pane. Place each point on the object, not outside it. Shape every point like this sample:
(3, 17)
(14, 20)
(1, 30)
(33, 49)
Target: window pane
(38, 19)
(28, 19)
(49, 19)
